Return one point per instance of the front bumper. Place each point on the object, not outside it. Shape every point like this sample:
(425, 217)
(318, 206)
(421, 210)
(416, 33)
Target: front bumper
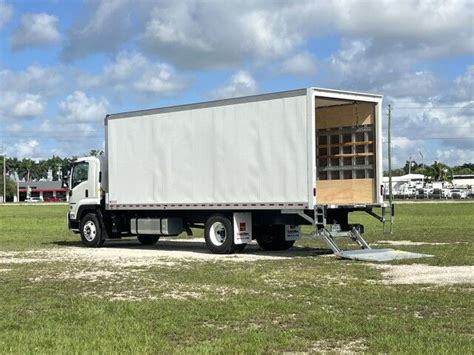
(72, 223)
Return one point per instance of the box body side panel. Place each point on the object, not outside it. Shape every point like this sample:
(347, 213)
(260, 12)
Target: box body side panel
(243, 153)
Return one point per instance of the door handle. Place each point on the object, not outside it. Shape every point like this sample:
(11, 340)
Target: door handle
(87, 193)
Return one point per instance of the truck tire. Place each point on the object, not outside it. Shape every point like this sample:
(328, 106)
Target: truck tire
(91, 231)
(148, 239)
(273, 238)
(219, 235)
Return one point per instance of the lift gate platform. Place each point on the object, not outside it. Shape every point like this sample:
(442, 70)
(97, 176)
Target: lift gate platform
(366, 253)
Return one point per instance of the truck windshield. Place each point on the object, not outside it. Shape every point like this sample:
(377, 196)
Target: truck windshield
(79, 173)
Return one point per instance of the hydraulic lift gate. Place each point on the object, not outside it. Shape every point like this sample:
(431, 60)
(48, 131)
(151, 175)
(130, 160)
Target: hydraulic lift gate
(366, 253)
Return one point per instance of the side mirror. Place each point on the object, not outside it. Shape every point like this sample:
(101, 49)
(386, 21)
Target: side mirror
(65, 181)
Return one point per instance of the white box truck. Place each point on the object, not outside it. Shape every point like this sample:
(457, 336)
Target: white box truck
(255, 167)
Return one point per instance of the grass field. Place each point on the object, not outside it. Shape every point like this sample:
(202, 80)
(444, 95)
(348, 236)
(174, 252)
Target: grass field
(57, 297)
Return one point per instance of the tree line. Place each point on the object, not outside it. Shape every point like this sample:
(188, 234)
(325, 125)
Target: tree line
(31, 170)
(437, 171)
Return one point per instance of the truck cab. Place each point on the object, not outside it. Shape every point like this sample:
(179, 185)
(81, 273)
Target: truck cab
(84, 190)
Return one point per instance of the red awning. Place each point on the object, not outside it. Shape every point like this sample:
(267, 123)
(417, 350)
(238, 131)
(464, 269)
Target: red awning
(45, 190)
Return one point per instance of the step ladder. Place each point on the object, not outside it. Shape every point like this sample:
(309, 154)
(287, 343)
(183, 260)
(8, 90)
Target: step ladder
(365, 253)
(329, 238)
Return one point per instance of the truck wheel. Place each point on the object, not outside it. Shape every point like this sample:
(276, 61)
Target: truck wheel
(273, 238)
(219, 235)
(91, 231)
(148, 239)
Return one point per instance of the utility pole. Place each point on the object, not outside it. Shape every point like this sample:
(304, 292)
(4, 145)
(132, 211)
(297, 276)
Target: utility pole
(4, 177)
(17, 178)
(389, 141)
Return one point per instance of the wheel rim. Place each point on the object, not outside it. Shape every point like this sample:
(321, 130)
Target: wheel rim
(89, 231)
(217, 233)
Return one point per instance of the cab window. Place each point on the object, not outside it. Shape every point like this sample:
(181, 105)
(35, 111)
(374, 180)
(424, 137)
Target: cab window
(79, 173)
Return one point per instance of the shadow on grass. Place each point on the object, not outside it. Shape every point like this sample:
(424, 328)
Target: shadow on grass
(197, 247)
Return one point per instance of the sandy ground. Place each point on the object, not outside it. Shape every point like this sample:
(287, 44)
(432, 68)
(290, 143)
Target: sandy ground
(177, 253)
(426, 274)
(339, 347)
(164, 253)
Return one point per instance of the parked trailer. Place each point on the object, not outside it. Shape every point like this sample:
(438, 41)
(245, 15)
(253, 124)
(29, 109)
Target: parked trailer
(255, 167)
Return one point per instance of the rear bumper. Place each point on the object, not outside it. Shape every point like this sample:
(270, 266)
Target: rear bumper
(356, 207)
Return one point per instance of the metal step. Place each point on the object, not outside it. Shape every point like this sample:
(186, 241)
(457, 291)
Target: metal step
(366, 253)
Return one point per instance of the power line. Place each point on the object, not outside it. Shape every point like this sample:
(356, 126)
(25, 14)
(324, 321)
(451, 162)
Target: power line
(428, 108)
(432, 138)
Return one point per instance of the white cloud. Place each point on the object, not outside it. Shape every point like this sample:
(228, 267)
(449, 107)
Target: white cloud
(36, 30)
(303, 64)
(28, 106)
(6, 12)
(25, 149)
(241, 84)
(268, 35)
(131, 71)
(427, 27)
(35, 79)
(464, 88)
(161, 28)
(102, 28)
(161, 82)
(80, 108)
(436, 130)
(196, 34)
(420, 84)
(24, 93)
(454, 156)
(20, 105)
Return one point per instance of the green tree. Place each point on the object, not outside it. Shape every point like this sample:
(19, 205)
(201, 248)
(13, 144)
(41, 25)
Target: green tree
(95, 153)
(440, 172)
(10, 190)
(464, 169)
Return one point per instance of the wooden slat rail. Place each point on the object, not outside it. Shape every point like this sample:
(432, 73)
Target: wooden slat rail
(345, 155)
(347, 144)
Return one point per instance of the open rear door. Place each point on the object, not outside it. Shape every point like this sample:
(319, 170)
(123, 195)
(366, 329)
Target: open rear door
(345, 151)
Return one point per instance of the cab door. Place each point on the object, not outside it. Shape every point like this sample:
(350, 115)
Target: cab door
(79, 186)
(84, 185)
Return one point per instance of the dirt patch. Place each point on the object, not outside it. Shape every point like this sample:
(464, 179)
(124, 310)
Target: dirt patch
(168, 253)
(17, 258)
(159, 290)
(82, 275)
(339, 347)
(182, 295)
(426, 274)
(134, 296)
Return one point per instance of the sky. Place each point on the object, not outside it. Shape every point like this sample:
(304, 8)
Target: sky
(65, 64)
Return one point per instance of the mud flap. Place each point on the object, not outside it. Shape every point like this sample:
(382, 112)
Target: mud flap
(380, 255)
(292, 233)
(242, 227)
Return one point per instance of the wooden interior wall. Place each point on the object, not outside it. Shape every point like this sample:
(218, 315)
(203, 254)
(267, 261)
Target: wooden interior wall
(345, 115)
(345, 191)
